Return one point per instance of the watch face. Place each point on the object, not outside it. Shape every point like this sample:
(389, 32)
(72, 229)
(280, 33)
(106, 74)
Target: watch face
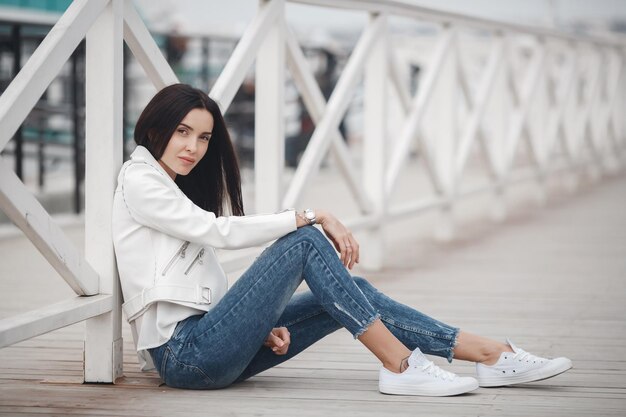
(309, 214)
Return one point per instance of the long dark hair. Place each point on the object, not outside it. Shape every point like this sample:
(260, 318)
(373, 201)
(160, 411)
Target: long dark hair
(216, 177)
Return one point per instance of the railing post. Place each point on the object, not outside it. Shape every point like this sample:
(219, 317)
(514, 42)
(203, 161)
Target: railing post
(104, 137)
(570, 112)
(620, 111)
(375, 144)
(269, 130)
(537, 122)
(443, 131)
(500, 108)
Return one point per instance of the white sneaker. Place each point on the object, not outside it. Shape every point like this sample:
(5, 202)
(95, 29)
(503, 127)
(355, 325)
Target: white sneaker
(423, 377)
(518, 367)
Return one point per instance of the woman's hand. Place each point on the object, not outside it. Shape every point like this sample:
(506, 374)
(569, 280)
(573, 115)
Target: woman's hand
(340, 235)
(278, 340)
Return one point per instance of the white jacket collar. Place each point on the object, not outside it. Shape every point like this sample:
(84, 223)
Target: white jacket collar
(142, 155)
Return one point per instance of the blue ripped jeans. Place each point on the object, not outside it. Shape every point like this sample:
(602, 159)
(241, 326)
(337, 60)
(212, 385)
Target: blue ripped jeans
(225, 345)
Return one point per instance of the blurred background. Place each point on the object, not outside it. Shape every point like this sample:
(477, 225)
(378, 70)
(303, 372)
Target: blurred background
(197, 37)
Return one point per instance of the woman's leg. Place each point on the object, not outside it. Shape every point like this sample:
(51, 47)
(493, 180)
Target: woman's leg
(417, 330)
(413, 328)
(308, 322)
(218, 347)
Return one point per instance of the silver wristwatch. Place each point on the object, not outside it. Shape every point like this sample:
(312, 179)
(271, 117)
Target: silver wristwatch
(309, 214)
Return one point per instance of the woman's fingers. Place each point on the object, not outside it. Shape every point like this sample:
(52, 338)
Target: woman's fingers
(343, 253)
(348, 250)
(272, 341)
(349, 254)
(276, 341)
(354, 254)
(352, 251)
(343, 241)
(283, 334)
(279, 340)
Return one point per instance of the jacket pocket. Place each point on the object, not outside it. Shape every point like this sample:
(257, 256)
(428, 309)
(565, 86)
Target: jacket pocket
(180, 254)
(177, 374)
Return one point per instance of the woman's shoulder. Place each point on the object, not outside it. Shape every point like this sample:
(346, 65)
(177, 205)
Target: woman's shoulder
(142, 167)
(140, 180)
(140, 183)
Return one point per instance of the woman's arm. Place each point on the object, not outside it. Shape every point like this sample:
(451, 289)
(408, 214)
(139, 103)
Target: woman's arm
(340, 235)
(153, 202)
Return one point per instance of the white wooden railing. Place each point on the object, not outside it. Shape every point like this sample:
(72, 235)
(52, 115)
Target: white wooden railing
(567, 104)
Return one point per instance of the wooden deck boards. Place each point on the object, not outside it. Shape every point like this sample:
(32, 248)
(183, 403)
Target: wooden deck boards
(552, 279)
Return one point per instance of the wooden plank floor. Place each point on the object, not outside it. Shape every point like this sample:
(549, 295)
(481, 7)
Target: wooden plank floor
(553, 279)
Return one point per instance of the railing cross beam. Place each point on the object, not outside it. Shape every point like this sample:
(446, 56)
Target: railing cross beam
(335, 109)
(316, 106)
(29, 84)
(418, 108)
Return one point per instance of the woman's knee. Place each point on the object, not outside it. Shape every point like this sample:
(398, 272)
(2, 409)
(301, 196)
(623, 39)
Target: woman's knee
(309, 232)
(305, 234)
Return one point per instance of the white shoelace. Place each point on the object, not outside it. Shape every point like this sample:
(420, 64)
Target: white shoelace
(522, 356)
(432, 369)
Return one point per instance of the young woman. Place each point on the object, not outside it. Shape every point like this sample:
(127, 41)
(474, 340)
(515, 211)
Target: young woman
(179, 197)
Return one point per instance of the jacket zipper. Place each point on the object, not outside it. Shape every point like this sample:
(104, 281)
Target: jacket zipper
(179, 253)
(198, 259)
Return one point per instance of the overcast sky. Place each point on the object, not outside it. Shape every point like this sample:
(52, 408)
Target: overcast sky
(232, 15)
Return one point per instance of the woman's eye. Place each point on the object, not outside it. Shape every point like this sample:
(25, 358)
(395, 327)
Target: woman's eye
(182, 131)
(205, 138)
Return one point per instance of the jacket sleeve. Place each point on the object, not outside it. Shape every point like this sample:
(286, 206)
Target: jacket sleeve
(152, 202)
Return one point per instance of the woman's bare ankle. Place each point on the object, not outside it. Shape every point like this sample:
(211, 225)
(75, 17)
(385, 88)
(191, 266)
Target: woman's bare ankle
(491, 354)
(397, 368)
(479, 349)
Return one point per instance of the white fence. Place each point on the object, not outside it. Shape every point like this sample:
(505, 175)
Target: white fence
(564, 98)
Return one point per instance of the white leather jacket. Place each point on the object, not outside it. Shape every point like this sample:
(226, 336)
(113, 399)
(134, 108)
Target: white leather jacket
(164, 243)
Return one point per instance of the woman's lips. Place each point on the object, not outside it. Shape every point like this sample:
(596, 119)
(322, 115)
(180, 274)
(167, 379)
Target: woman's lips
(187, 160)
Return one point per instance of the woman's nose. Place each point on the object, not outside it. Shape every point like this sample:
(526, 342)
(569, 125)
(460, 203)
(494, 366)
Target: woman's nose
(192, 145)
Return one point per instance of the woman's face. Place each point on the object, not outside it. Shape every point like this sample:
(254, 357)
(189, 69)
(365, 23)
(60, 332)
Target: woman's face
(188, 144)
